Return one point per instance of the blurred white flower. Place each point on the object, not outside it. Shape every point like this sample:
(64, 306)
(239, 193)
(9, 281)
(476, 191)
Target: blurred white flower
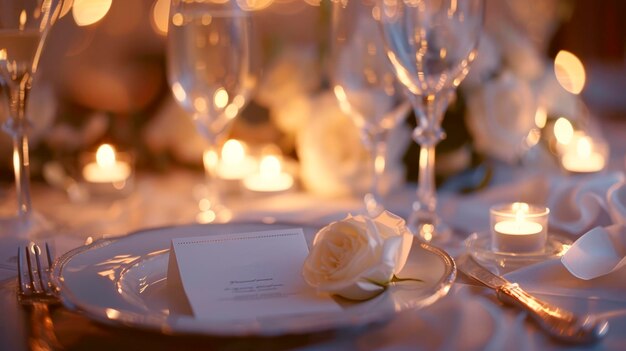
(519, 53)
(556, 100)
(333, 160)
(296, 72)
(500, 116)
(291, 115)
(172, 129)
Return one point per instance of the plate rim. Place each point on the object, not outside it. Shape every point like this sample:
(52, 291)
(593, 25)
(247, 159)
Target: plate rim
(162, 326)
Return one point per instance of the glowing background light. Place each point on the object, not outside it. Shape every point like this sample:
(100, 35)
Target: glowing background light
(254, 5)
(569, 71)
(563, 131)
(541, 117)
(88, 12)
(220, 98)
(160, 15)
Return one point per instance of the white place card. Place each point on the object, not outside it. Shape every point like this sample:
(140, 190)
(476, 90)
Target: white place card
(245, 276)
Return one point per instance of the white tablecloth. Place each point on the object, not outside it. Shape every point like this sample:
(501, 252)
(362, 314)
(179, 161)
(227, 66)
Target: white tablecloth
(469, 318)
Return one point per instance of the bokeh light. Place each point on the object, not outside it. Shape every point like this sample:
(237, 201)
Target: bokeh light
(160, 16)
(569, 71)
(563, 131)
(88, 12)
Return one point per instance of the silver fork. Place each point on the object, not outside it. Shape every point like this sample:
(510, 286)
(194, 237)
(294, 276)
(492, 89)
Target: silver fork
(37, 293)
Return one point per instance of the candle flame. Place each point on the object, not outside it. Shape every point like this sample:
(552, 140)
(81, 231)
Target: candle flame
(210, 160)
(105, 156)
(583, 147)
(521, 209)
(270, 167)
(569, 71)
(233, 152)
(563, 131)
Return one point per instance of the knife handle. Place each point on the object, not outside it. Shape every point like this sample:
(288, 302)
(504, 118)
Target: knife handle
(558, 322)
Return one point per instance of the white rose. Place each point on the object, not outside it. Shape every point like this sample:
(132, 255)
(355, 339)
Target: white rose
(333, 160)
(357, 257)
(518, 51)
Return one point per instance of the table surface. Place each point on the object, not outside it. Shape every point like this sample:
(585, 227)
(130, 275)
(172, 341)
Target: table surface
(468, 318)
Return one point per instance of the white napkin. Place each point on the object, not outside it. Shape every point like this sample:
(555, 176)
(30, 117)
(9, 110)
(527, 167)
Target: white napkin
(552, 278)
(577, 204)
(597, 253)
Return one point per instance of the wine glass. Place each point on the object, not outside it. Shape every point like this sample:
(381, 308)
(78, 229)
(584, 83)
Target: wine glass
(365, 85)
(24, 26)
(208, 56)
(431, 44)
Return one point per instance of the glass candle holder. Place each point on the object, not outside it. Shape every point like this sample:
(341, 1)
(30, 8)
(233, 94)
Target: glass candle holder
(107, 172)
(519, 227)
(584, 154)
(271, 178)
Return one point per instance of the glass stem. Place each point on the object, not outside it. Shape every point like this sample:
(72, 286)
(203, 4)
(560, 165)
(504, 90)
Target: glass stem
(378, 150)
(429, 110)
(426, 198)
(17, 127)
(212, 208)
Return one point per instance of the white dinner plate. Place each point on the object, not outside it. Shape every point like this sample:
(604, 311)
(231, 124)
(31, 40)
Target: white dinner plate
(123, 282)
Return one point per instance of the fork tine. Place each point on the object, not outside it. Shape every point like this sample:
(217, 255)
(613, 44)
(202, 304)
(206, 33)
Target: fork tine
(48, 255)
(40, 274)
(20, 279)
(30, 270)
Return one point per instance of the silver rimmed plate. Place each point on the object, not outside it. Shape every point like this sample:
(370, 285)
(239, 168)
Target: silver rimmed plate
(123, 282)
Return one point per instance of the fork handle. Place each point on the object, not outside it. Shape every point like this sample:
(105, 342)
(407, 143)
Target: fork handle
(42, 337)
(558, 322)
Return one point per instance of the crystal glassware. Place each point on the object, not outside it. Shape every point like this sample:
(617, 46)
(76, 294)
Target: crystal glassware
(431, 44)
(365, 85)
(24, 26)
(209, 71)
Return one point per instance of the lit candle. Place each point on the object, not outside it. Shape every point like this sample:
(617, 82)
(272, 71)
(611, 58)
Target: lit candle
(519, 228)
(106, 168)
(235, 163)
(270, 177)
(582, 155)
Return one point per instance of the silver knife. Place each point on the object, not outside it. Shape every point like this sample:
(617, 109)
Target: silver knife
(559, 323)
